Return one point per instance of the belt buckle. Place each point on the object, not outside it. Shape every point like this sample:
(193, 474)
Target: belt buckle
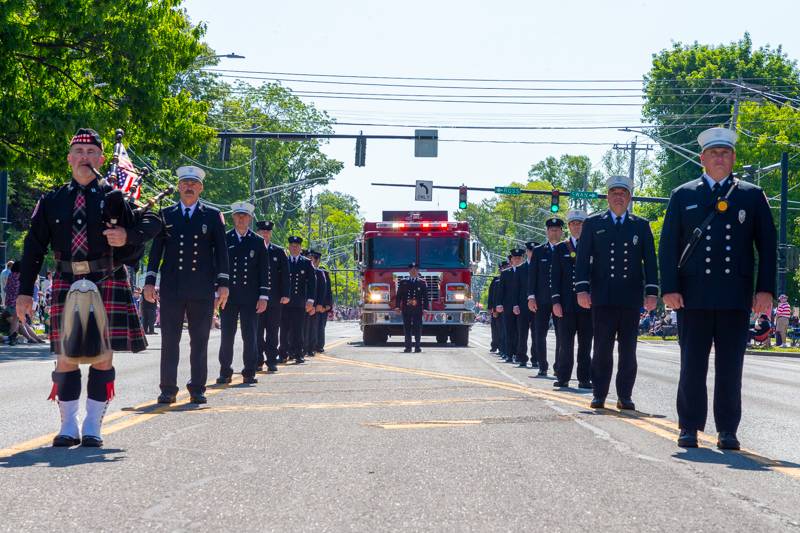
(80, 268)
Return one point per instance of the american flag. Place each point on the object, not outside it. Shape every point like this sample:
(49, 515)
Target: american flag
(127, 178)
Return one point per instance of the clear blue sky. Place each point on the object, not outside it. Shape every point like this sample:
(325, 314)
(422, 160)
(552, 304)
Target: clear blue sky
(563, 39)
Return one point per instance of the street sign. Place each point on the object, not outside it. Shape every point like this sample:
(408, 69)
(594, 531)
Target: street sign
(507, 190)
(424, 191)
(583, 195)
(426, 143)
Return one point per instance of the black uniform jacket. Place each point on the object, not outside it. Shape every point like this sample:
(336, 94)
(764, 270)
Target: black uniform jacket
(408, 290)
(302, 282)
(248, 263)
(193, 257)
(719, 273)
(563, 277)
(509, 289)
(616, 265)
(491, 299)
(325, 290)
(277, 273)
(539, 274)
(51, 226)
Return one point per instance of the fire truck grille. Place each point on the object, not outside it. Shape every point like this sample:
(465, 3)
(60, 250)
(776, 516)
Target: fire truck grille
(432, 281)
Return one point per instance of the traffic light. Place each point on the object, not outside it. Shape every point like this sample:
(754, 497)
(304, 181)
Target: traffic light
(554, 207)
(361, 150)
(462, 197)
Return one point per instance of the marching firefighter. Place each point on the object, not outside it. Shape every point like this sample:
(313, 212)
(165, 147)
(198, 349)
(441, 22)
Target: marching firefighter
(496, 318)
(93, 231)
(192, 257)
(508, 300)
(539, 291)
(325, 302)
(248, 294)
(278, 285)
(302, 291)
(412, 299)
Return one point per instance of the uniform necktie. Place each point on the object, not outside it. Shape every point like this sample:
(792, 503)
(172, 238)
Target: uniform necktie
(186, 215)
(618, 222)
(80, 242)
(715, 189)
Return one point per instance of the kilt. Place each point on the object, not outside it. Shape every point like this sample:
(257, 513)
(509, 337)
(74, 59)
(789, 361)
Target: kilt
(124, 332)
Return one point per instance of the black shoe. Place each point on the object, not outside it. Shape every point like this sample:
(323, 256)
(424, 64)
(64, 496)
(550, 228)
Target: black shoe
(90, 441)
(249, 380)
(198, 398)
(321, 350)
(167, 398)
(492, 350)
(688, 438)
(534, 364)
(585, 385)
(598, 403)
(310, 354)
(560, 384)
(223, 380)
(260, 368)
(407, 350)
(626, 404)
(299, 361)
(417, 350)
(272, 369)
(726, 440)
(65, 441)
(542, 373)
(522, 365)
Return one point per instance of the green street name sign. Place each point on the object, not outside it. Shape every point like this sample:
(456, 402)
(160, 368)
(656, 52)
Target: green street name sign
(583, 195)
(506, 190)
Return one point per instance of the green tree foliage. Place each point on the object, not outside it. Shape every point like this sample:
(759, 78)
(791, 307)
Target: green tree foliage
(680, 97)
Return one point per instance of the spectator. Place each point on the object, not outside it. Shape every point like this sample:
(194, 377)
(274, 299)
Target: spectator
(762, 327)
(3, 278)
(782, 314)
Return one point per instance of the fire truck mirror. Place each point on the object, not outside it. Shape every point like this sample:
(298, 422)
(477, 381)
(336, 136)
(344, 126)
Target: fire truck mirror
(476, 252)
(357, 251)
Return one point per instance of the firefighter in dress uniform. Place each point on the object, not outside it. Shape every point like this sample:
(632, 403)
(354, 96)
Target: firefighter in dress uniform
(539, 291)
(311, 329)
(616, 265)
(73, 220)
(302, 290)
(278, 286)
(496, 320)
(508, 294)
(324, 304)
(524, 317)
(412, 299)
(572, 318)
(248, 295)
(192, 257)
(706, 253)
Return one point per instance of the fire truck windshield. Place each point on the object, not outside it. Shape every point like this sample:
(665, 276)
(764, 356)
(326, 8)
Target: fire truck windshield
(443, 252)
(434, 252)
(391, 252)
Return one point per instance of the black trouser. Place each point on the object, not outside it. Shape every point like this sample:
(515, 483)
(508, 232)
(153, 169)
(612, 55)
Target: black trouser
(510, 326)
(247, 316)
(610, 323)
(198, 314)
(322, 321)
(579, 322)
(268, 323)
(148, 319)
(496, 328)
(293, 320)
(523, 321)
(543, 314)
(697, 329)
(412, 325)
(310, 334)
(532, 327)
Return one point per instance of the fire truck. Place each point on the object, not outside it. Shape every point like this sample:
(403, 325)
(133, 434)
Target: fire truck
(447, 258)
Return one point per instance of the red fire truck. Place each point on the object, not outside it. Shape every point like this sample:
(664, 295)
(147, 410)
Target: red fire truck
(447, 258)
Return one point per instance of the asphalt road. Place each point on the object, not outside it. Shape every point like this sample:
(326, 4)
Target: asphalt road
(372, 439)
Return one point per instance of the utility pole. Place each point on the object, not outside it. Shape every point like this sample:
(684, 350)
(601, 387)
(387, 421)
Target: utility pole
(736, 97)
(253, 169)
(782, 247)
(308, 215)
(3, 214)
(632, 164)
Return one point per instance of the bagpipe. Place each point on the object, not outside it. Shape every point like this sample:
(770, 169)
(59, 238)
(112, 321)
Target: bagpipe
(122, 205)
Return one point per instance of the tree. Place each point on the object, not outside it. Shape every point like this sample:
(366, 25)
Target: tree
(680, 95)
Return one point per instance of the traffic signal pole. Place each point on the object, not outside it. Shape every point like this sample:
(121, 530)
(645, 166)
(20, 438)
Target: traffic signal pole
(651, 199)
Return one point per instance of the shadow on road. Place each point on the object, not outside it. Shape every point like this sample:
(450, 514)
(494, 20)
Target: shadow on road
(733, 459)
(25, 352)
(62, 457)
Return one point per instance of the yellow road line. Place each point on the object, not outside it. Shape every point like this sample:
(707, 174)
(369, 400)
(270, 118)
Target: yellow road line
(656, 426)
(130, 416)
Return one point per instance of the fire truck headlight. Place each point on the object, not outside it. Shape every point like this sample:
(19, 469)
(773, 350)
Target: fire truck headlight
(456, 292)
(378, 293)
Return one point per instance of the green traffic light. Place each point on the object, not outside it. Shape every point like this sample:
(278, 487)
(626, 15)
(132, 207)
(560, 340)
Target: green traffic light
(554, 208)
(462, 205)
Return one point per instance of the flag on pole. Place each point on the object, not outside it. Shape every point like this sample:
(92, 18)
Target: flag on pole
(127, 177)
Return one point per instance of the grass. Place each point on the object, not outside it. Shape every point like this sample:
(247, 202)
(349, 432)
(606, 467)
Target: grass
(657, 338)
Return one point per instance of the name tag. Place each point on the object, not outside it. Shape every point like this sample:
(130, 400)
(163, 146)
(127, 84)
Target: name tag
(691, 206)
(598, 232)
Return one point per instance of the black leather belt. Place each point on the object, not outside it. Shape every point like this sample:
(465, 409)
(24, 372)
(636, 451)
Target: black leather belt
(83, 268)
